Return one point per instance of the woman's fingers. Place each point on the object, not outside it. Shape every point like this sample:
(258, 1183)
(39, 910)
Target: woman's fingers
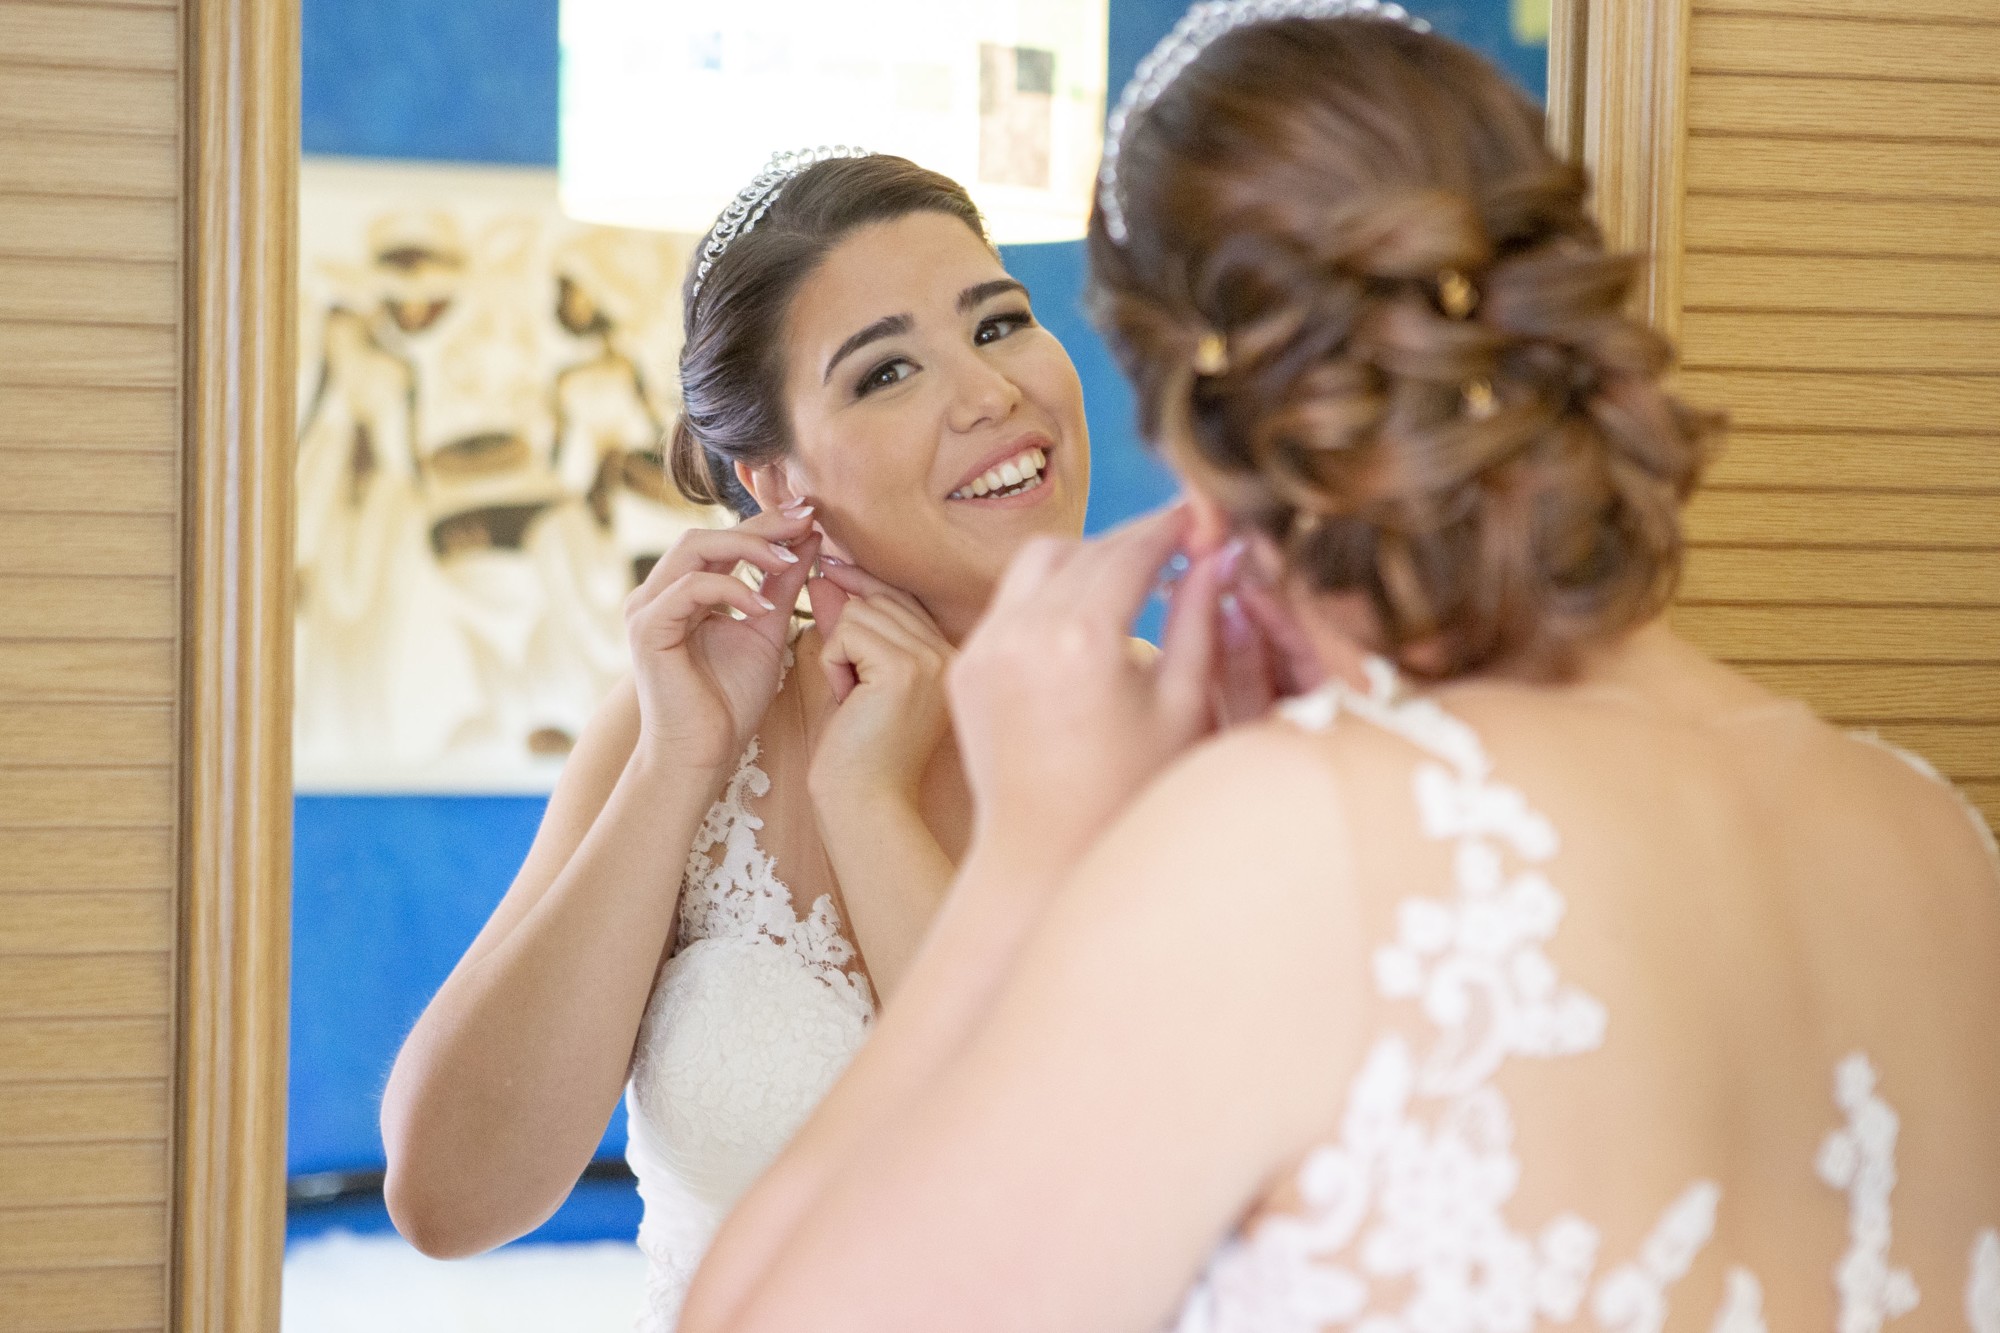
(857, 580)
(854, 653)
(1296, 665)
(764, 541)
(1189, 646)
(902, 629)
(829, 606)
(782, 590)
(1117, 573)
(1245, 687)
(872, 641)
(903, 606)
(664, 622)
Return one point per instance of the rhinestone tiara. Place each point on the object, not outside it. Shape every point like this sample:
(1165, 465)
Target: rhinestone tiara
(1199, 27)
(751, 203)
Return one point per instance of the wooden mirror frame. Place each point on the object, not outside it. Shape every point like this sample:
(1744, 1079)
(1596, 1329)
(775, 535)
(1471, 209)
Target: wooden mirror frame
(240, 150)
(1618, 82)
(240, 153)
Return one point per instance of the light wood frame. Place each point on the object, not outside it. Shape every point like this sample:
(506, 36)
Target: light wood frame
(240, 96)
(1618, 76)
(1618, 88)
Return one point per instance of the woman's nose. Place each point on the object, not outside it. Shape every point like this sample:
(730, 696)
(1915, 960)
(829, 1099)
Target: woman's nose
(982, 394)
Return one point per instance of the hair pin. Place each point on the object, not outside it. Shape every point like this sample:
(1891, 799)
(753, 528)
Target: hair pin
(1211, 355)
(1456, 295)
(1481, 403)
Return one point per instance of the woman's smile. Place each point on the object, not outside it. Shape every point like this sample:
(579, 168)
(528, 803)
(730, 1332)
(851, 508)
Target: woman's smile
(1015, 476)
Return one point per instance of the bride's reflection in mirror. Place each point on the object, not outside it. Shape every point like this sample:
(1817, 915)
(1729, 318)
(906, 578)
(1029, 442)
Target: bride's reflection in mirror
(870, 391)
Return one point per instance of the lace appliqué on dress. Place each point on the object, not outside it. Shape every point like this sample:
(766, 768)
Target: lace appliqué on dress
(1633, 1297)
(750, 1022)
(1982, 1292)
(1742, 1304)
(1861, 1159)
(1414, 1193)
(732, 891)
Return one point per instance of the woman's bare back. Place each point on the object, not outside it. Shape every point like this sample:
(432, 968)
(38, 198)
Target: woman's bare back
(1681, 996)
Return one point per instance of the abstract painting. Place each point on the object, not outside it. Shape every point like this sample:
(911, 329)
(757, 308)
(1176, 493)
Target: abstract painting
(483, 391)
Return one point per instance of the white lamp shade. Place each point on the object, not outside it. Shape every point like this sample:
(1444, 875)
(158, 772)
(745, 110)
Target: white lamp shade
(669, 107)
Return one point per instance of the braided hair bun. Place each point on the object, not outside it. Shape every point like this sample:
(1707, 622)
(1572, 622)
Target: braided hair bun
(1366, 308)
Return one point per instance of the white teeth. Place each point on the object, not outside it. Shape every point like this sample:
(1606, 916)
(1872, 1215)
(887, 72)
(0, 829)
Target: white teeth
(1024, 470)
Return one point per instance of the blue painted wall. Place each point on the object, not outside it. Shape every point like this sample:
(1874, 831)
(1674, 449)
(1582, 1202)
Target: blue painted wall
(388, 890)
(436, 80)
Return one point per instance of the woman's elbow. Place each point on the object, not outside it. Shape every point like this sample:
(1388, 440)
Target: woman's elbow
(425, 1209)
(431, 1224)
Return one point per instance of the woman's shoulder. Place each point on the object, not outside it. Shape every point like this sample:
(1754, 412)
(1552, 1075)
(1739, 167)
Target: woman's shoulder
(1268, 791)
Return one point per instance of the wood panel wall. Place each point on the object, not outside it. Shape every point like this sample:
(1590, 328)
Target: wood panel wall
(90, 612)
(1840, 297)
(1819, 189)
(147, 207)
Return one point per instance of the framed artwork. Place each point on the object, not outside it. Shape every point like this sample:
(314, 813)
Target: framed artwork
(484, 386)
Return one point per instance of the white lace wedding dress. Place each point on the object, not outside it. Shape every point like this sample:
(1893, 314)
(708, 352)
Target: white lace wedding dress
(1407, 1221)
(753, 1018)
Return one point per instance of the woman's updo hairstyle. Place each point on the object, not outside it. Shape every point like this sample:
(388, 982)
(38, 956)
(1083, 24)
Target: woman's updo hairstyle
(1364, 306)
(733, 354)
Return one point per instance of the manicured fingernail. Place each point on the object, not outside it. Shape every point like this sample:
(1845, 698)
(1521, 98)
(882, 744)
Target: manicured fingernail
(784, 555)
(798, 508)
(826, 559)
(765, 603)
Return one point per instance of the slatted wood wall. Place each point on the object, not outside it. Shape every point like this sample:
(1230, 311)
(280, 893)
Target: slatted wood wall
(1841, 298)
(91, 523)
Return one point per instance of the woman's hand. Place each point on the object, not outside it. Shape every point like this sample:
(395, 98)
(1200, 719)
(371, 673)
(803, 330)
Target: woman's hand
(885, 661)
(704, 677)
(1059, 723)
(1266, 656)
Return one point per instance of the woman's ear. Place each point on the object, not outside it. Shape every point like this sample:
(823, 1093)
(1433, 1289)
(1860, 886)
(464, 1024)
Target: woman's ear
(767, 485)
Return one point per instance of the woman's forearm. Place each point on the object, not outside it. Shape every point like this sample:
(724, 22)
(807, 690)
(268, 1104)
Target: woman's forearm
(951, 983)
(502, 1090)
(893, 875)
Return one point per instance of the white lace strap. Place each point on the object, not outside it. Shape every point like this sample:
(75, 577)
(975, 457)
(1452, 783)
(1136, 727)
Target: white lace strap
(1424, 723)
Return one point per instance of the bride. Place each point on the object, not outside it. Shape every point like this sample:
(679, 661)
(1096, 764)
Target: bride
(741, 856)
(1553, 974)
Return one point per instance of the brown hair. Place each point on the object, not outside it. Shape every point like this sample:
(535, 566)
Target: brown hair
(732, 357)
(1303, 190)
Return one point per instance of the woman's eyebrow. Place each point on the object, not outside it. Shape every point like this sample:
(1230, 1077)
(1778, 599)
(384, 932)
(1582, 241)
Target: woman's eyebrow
(891, 325)
(973, 295)
(886, 327)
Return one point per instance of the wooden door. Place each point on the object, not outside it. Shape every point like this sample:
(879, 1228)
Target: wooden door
(146, 161)
(1819, 181)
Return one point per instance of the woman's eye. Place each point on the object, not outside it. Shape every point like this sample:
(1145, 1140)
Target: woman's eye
(884, 375)
(1000, 326)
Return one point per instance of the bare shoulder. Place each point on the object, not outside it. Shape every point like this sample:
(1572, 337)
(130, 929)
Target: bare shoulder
(1900, 780)
(1259, 804)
